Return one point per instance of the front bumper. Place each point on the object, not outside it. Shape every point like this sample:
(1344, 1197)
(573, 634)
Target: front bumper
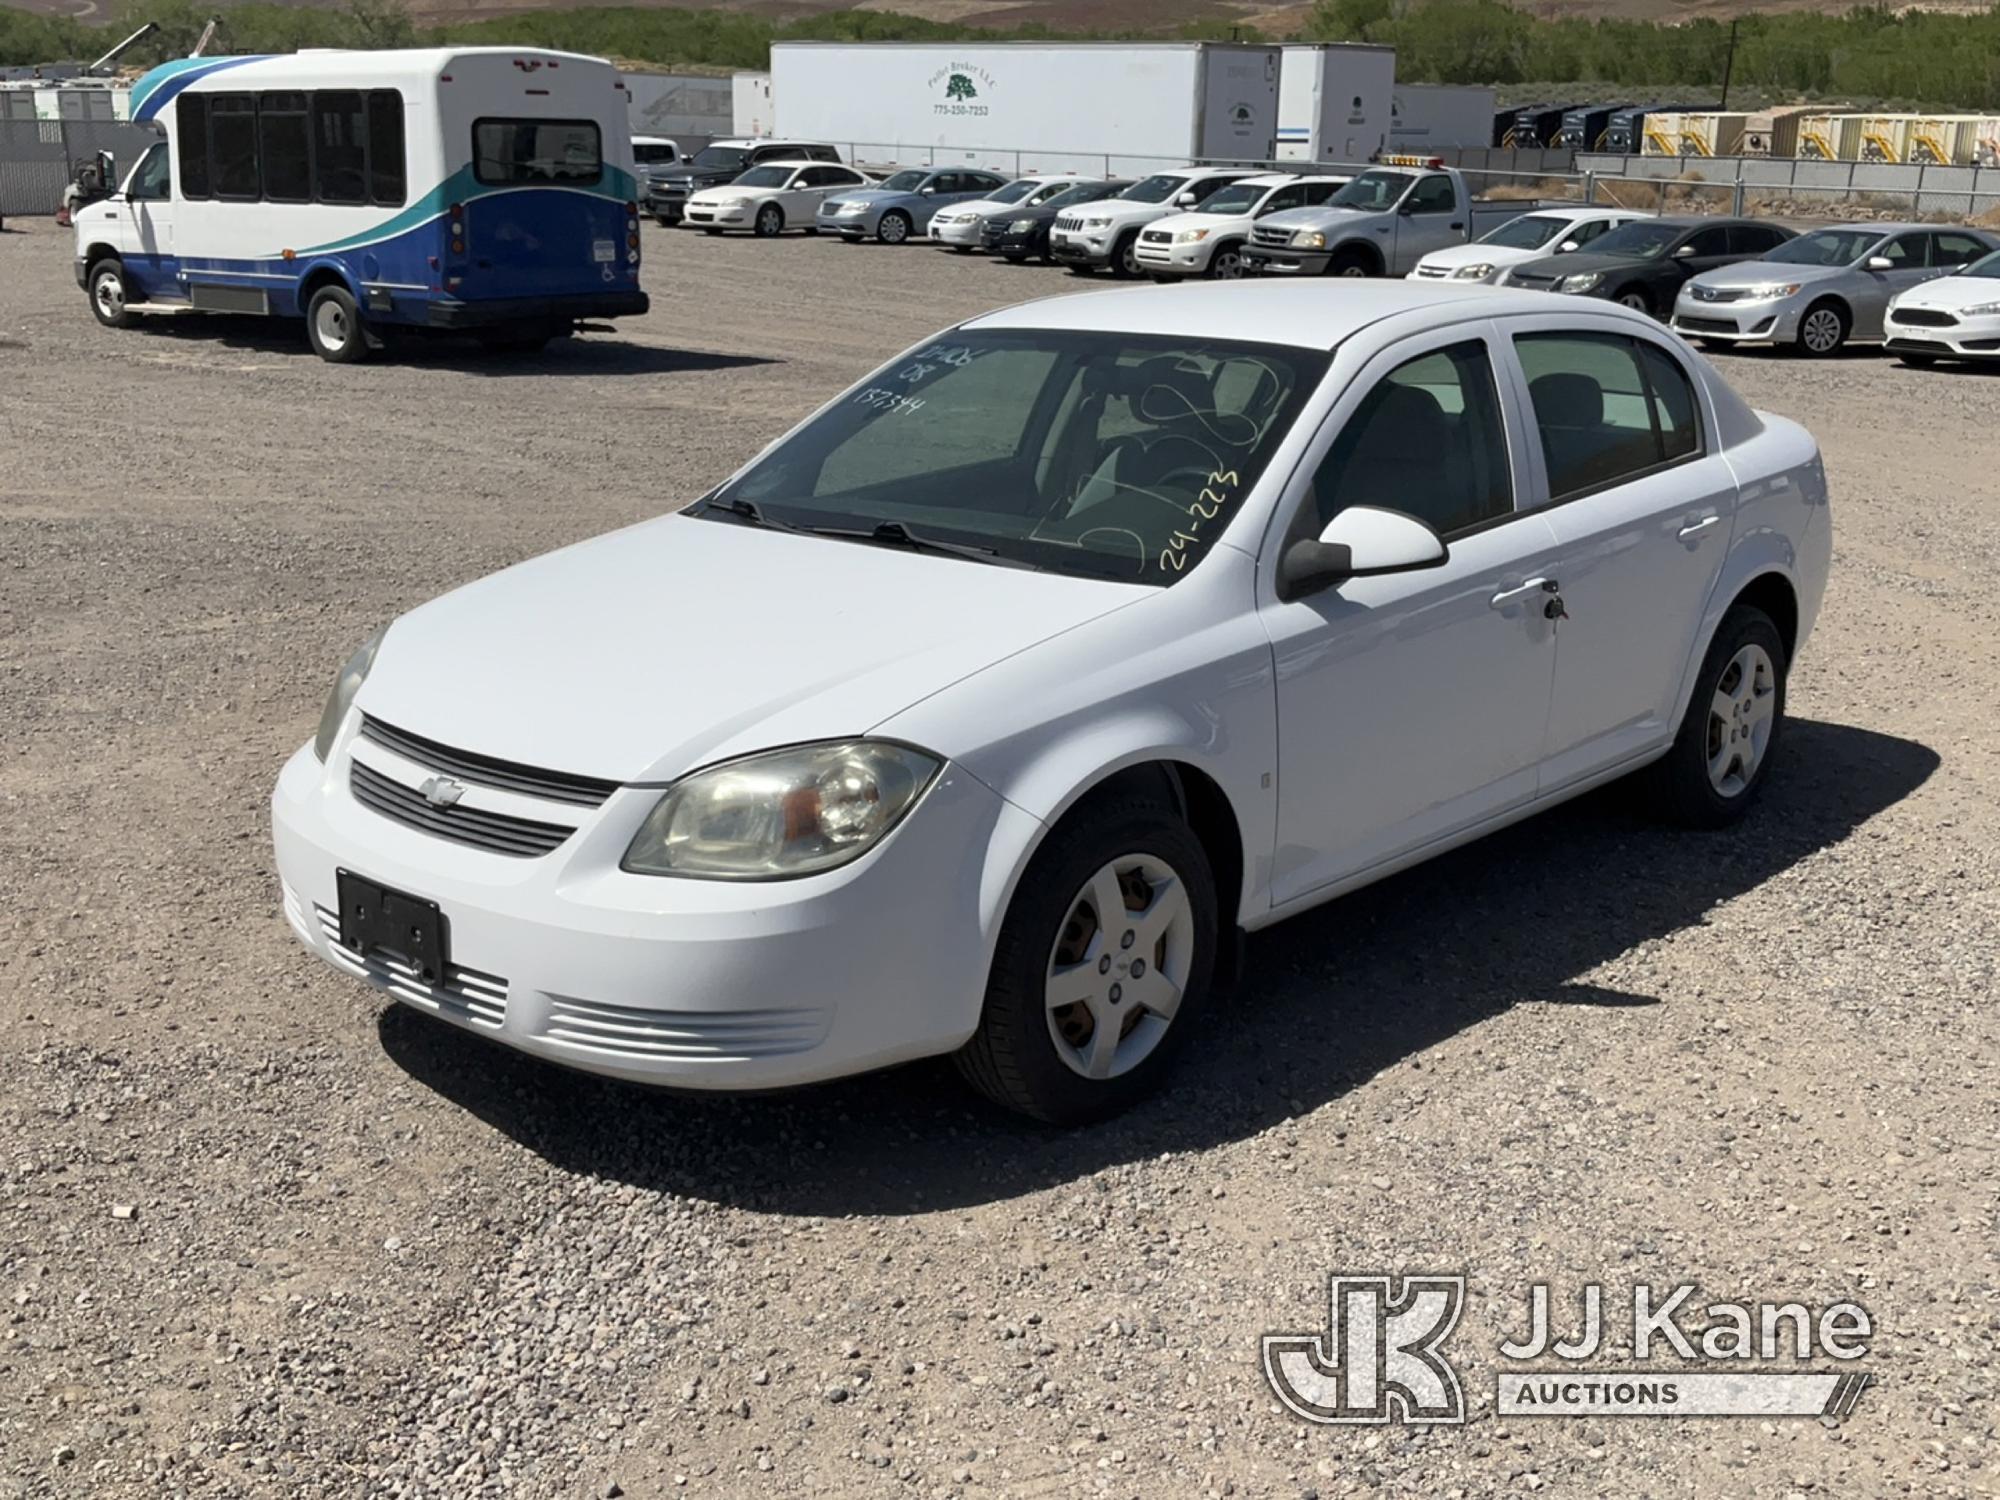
(697, 984)
(1767, 322)
(1173, 260)
(1265, 260)
(1081, 249)
(965, 235)
(1967, 338)
(1005, 241)
(713, 216)
(450, 312)
(82, 273)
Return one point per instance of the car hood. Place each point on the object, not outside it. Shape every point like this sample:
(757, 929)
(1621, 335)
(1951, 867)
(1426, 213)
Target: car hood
(1199, 220)
(869, 195)
(1950, 293)
(641, 654)
(723, 190)
(1454, 256)
(1763, 273)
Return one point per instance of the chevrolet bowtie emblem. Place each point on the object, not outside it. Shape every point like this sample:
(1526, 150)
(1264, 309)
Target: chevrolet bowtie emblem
(442, 791)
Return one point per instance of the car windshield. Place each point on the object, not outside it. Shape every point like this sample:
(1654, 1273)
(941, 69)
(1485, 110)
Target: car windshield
(1642, 241)
(1529, 232)
(1372, 190)
(1987, 269)
(1092, 454)
(651, 153)
(1082, 192)
(905, 182)
(766, 177)
(719, 158)
(1826, 247)
(1013, 192)
(1237, 198)
(1154, 189)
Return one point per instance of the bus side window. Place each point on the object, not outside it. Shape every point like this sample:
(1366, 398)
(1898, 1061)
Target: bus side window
(340, 148)
(191, 143)
(386, 176)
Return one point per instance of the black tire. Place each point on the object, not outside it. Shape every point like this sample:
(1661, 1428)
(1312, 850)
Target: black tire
(664, 222)
(1125, 258)
(1013, 259)
(1678, 787)
(1715, 346)
(811, 230)
(894, 228)
(1916, 361)
(1083, 269)
(1823, 330)
(110, 294)
(331, 311)
(1226, 263)
(770, 222)
(1637, 298)
(1352, 261)
(705, 229)
(1012, 1058)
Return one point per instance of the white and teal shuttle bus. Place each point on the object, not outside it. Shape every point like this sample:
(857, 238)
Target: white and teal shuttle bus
(480, 188)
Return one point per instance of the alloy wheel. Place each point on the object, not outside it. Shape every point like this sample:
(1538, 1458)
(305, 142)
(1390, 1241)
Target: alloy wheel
(1740, 720)
(1228, 265)
(1821, 331)
(1119, 965)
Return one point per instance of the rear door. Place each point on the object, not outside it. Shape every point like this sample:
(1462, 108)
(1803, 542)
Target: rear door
(541, 219)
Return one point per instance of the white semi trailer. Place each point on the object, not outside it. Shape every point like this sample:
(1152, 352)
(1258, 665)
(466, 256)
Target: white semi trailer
(1440, 116)
(1334, 102)
(1127, 108)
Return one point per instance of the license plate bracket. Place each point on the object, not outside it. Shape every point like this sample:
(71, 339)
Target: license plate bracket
(377, 920)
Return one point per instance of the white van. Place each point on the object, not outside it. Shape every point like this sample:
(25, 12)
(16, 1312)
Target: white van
(482, 188)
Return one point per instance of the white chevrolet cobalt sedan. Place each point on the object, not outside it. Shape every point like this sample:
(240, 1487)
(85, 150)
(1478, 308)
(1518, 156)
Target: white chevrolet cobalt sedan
(983, 712)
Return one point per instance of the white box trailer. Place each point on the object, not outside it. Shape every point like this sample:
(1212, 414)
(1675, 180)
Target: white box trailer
(1335, 102)
(750, 105)
(1439, 116)
(1124, 107)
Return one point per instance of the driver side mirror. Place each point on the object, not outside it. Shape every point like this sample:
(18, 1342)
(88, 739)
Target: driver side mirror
(1684, 253)
(1880, 263)
(1185, 200)
(926, 190)
(1566, 247)
(1360, 542)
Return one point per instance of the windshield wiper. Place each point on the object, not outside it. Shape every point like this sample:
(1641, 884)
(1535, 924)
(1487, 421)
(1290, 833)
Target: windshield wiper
(750, 511)
(896, 534)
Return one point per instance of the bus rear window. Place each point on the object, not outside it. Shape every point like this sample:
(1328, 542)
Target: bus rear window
(515, 152)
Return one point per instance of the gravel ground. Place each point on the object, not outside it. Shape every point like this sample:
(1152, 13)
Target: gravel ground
(262, 1236)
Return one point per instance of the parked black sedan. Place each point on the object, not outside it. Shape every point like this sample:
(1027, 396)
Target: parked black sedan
(1642, 264)
(1016, 236)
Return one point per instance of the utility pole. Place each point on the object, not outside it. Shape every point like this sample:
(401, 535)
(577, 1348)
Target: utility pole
(1728, 66)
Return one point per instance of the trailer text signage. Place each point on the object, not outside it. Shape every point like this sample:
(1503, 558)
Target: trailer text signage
(958, 87)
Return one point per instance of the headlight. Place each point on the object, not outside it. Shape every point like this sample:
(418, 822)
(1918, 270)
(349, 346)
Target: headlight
(1103, 223)
(1021, 226)
(1580, 283)
(1190, 236)
(781, 813)
(345, 686)
(1980, 310)
(1472, 273)
(1769, 292)
(1309, 239)
(850, 208)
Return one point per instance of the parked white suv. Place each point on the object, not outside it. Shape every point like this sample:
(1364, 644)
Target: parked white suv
(1547, 231)
(1208, 241)
(963, 225)
(1106, 233)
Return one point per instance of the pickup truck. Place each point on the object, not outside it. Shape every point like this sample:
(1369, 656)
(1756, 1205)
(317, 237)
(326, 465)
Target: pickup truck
(1381, 224)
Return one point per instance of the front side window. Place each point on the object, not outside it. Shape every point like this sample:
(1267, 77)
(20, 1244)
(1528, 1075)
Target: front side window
(1427, 440)
(1906, 252)
(1013, 192)
(1711, 241)
(517, 153)
(1433, 195)
(152, 179)
(1608, 408)
(1584, 233)
(1373, 191)
(1101, 455)
(905, 182)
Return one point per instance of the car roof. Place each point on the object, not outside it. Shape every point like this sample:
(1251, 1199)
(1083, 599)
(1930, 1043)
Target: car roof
(1315, 314)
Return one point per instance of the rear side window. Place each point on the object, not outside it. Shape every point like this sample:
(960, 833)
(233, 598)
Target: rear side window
(286, 147)
(520, 153)
(191, 143)
(1428, 441)
(1607, 408)
(1956, 250)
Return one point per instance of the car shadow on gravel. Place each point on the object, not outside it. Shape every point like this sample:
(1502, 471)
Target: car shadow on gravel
(1327, 1000)
(581, 355)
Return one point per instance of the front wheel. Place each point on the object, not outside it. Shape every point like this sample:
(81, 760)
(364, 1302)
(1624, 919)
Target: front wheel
(333, 324)
(1125, 259)
(1636, 299)
(1915, 361)
(894, 228)
(1733, 722)
(1822, 330)
(1227, 264)
(770, 221)
(1351, 263)
(1103, 965)
(108, 296)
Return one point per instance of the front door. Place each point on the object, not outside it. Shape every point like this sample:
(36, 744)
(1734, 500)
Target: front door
(1642, 504)
(148, 205)
(1429, 218)
(1411, 705)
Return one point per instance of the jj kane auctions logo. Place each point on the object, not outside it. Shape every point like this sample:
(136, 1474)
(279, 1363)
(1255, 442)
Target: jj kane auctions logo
(1382, 1359)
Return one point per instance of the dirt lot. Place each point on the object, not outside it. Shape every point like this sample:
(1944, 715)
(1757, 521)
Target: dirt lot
(262, 1236)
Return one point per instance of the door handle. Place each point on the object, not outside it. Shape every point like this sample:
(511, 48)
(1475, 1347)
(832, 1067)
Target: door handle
(1457, 225)
(1695, 528)
(1521, 591)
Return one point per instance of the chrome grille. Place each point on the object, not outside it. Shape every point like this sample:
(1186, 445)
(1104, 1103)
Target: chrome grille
(1716, 293)
(1431, 273)
(1158, 237)
(1274, 238)
(625, 1031)
(1518, 279)
(487, 770)
(498, 833)
(465, 995)
(1069, 223)
(1923, 317)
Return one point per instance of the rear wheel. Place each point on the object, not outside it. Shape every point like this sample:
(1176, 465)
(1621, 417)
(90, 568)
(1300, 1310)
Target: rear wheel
(1822, 330)
(770, 221)
(1102, 966)
(333, 324)
(108, 295)
(1732, 726)
(894, 228)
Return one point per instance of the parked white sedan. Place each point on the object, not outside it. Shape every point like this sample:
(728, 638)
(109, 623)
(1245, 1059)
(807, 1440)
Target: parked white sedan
(1552, 231)
(1957, 316)
(771, 198)
(987, 709)
(963, 225)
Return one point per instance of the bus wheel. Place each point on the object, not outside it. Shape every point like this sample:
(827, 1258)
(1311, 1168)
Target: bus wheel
(107, 294)
(333, 324)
